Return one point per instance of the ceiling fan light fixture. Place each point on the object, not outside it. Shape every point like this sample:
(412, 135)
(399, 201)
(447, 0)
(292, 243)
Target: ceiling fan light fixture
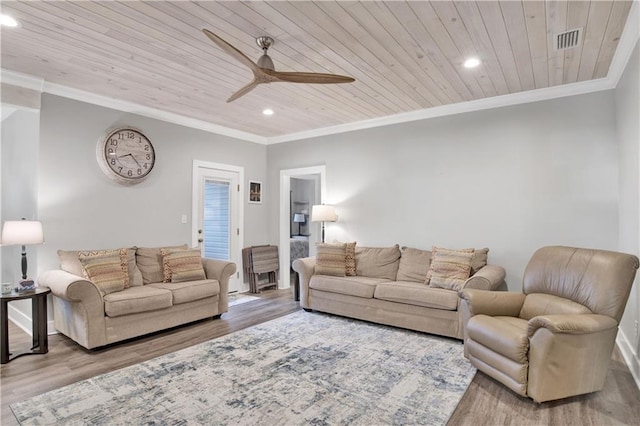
(267, 111)
(7, 21)
(471, 63)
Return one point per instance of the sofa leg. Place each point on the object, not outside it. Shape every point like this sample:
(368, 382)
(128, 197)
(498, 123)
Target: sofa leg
(307, 310)
(217, 317)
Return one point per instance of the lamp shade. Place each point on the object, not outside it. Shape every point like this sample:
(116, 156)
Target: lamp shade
(298, 218)
(22, 232)
(323, 213)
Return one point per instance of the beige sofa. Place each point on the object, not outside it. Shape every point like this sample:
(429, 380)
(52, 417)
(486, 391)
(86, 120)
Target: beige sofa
(389, 288)
(93, 319)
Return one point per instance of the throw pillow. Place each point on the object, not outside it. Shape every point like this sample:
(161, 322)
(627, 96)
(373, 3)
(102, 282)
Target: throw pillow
(331, 259)
(449, 268)
(182, 265)
(479, 260)
(149, 261)
(350, 258)
(414, 265)
(107, 269)
(69, 262)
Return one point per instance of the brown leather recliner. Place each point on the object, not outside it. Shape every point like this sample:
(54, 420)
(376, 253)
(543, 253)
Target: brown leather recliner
(555, 339)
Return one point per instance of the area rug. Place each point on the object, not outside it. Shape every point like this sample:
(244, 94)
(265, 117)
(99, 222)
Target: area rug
(240, 298)
(304, 368)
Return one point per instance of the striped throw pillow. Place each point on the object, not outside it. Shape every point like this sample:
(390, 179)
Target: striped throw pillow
(331, 259)
(107, 269)
(182, 265)
(449, 269)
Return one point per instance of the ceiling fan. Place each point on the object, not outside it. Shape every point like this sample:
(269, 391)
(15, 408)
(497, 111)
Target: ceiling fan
(265, 72)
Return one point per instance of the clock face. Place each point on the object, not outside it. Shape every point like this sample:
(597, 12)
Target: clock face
(127, 155)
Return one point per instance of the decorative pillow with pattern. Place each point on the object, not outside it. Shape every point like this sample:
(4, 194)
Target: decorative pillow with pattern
(107, 269)
(331, 259)
(182, 265)
(350, 258)
(449, 269)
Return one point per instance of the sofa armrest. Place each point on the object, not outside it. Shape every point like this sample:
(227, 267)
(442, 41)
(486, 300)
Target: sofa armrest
(71, 287)
(305, 268)
(571, 323)
(220, 270)
(489, 277)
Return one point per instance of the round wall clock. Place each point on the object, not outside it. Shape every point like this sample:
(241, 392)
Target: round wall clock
(126, 155)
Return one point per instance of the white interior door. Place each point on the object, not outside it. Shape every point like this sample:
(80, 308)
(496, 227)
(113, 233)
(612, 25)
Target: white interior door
(217, 214)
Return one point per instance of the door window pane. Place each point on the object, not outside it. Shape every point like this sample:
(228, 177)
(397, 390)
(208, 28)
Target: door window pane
(216, 220)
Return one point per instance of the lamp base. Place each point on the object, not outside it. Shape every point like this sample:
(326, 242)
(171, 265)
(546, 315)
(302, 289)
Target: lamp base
(25, 286)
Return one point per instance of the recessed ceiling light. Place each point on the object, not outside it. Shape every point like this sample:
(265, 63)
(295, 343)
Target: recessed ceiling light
(267, 111)
(7, 21)
(471, 63)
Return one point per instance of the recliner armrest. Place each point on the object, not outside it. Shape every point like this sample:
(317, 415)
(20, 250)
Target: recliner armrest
(571, 323)
(489, 277)
(492, 303)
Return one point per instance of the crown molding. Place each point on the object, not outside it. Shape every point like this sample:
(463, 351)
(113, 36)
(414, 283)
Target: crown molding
(30, 82)
(458, 108)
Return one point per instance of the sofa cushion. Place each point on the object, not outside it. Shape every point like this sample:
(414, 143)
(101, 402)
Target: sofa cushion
(352, 286)
(414, 265)
(449, 269)
(331, 259)
(135, 300)
(189, 291)
(378, 262)
(70, 262)
(149, 261)
(412, 293)
(180, 265)
(479, 260)
(106, 269)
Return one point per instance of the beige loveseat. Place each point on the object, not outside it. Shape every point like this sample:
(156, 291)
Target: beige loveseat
(389, 288)
(93, 319)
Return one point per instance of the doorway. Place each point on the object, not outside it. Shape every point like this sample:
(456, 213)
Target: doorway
(315, 174)
(217, 213)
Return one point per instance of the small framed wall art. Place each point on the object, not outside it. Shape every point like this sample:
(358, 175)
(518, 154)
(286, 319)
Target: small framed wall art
(255, 192)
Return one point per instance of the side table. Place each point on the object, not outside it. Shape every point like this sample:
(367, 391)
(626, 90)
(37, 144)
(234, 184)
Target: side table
(39, 321)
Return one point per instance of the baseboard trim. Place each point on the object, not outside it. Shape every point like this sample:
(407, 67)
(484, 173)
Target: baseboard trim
(630, 356)
(24, 321)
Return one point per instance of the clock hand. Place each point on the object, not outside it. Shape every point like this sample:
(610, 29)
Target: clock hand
(130, 155)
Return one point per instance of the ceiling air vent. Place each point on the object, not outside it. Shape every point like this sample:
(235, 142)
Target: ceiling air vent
(568, 39)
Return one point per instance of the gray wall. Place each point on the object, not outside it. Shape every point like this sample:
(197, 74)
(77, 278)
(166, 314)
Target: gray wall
(627, 97)
(512, 179)
(19, 169)
(81, 208)
(19, 182)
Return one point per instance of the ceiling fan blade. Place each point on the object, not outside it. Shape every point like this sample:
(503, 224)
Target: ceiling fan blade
(228, 48)
(307, 77)
(246, 89)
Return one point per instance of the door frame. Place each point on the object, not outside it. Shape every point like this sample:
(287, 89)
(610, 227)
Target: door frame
(285, 213)
(198, 164)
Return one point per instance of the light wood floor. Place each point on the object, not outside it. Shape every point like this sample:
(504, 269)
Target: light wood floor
(486, 402)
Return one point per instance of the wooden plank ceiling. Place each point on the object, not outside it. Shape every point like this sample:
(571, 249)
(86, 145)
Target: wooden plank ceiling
(405, 56)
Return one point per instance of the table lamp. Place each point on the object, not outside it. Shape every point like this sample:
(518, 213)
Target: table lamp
(299, 219)
(323, 213)
(22, 232)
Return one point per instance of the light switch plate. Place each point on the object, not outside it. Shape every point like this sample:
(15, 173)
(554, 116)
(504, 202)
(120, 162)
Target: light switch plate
(183, 219)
